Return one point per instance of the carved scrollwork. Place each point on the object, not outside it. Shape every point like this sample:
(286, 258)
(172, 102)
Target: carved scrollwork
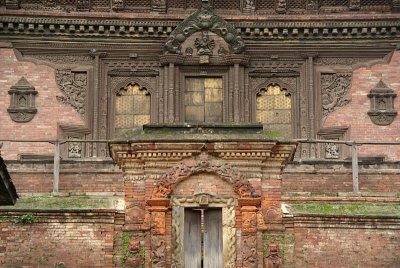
(203, 163)
(203, 20)
(334, 89)
(73, 86)
(249, 252)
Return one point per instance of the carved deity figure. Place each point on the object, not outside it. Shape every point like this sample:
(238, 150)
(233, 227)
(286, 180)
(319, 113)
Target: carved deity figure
(272, 258)
(134, 260)
(204, 45)
(249, 6)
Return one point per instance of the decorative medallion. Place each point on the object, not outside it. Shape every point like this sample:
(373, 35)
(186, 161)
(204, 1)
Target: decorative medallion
(382, 111)
(204, 20)
(22, 105)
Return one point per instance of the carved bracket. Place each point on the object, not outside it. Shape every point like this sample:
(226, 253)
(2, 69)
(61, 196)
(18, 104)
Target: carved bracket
(74, 87)
(22, 105)
(382, 111)
(334, 89)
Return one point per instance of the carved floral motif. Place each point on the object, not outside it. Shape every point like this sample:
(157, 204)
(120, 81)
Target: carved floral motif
(203, 163)
(334, 88)
(73, 86)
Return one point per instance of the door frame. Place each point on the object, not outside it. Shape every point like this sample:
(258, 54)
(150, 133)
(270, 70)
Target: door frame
(228, 205)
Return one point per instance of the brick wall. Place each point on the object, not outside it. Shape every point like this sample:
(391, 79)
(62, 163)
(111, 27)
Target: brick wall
(50, 111)
(338, 178)
(75, 176)
(352, 243)
(355, 114)
(83, 239)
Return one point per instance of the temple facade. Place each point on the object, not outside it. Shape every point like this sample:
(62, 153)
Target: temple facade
(201, 133)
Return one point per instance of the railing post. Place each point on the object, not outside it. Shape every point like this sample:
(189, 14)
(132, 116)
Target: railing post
(56, 169)
(354, 160)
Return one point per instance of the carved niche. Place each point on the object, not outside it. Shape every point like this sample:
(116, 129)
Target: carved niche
(74, 86)
(332, 150)
(249, 6)
(203, 163)
(204, 20)
(334, 89)
(272, 258)
(22, 105)
(382, 111)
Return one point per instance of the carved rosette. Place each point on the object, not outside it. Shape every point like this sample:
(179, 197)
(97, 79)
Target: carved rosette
(73, 86)
(22, 105)
(334, 89)
(382, 111)
(204, 20)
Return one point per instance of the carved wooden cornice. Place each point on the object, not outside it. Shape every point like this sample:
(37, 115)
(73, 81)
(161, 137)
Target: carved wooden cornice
(55, 28)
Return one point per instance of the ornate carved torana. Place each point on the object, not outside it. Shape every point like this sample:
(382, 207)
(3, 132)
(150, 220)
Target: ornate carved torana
(334, 89)
(382, 110)
(22, 105)
(204, 20)
(74, 87)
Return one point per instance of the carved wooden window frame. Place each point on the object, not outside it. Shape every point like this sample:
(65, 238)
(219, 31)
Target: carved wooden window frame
(291, 90)
(209, 71)
(228, 205)
(130, 80)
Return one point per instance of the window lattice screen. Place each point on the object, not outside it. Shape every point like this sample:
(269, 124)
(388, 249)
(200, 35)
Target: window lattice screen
(274, 111)
(132, 109)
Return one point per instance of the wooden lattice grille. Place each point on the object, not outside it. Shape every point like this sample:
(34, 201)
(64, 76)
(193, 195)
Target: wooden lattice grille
(274, 111)
(132, 109)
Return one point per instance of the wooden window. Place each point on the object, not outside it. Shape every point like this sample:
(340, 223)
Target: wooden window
(203, 100)
(132, 109)
(274, 111)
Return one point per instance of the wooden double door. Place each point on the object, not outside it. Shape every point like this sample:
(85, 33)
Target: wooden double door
(203, 238)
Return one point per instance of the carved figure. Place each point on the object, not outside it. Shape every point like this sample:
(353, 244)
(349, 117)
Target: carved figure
(157, 252)
(281, 7)
(272, 258)
(249, 252)
(249, 6)
(204, 45)
(133, 259)
(73, 86)
(334, 89)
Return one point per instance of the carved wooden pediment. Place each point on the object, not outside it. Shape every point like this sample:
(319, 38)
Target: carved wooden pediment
(204, 20)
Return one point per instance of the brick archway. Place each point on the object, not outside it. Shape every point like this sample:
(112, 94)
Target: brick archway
(203, 163)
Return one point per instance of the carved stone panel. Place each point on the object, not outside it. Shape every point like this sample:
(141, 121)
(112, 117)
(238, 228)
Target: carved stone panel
(22, 105)
(334, 89)
(74, 87)
(382, 111)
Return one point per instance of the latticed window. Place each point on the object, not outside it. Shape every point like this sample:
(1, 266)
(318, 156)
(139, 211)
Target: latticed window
(274, 111)
(132, 109)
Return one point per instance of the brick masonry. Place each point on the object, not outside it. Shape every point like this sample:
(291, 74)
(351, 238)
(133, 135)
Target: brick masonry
(354, 115)
(74, 239)
(50, 111)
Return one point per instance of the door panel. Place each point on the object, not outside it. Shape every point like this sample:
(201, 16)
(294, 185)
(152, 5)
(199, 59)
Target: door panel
(192, 238)
(213, 254)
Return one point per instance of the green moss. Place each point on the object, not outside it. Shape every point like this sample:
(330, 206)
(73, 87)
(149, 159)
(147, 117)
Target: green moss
(5, 218)
(57, 202)
(273, 134)
(25, 219)
(122, 253)
(345, 208)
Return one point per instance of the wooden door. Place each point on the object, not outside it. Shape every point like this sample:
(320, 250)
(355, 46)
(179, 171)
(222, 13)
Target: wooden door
(192, 238)
(213, 255)
(203, 238)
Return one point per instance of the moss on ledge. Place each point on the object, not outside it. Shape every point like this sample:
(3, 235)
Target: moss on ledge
(62, 202)
(345, 208)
